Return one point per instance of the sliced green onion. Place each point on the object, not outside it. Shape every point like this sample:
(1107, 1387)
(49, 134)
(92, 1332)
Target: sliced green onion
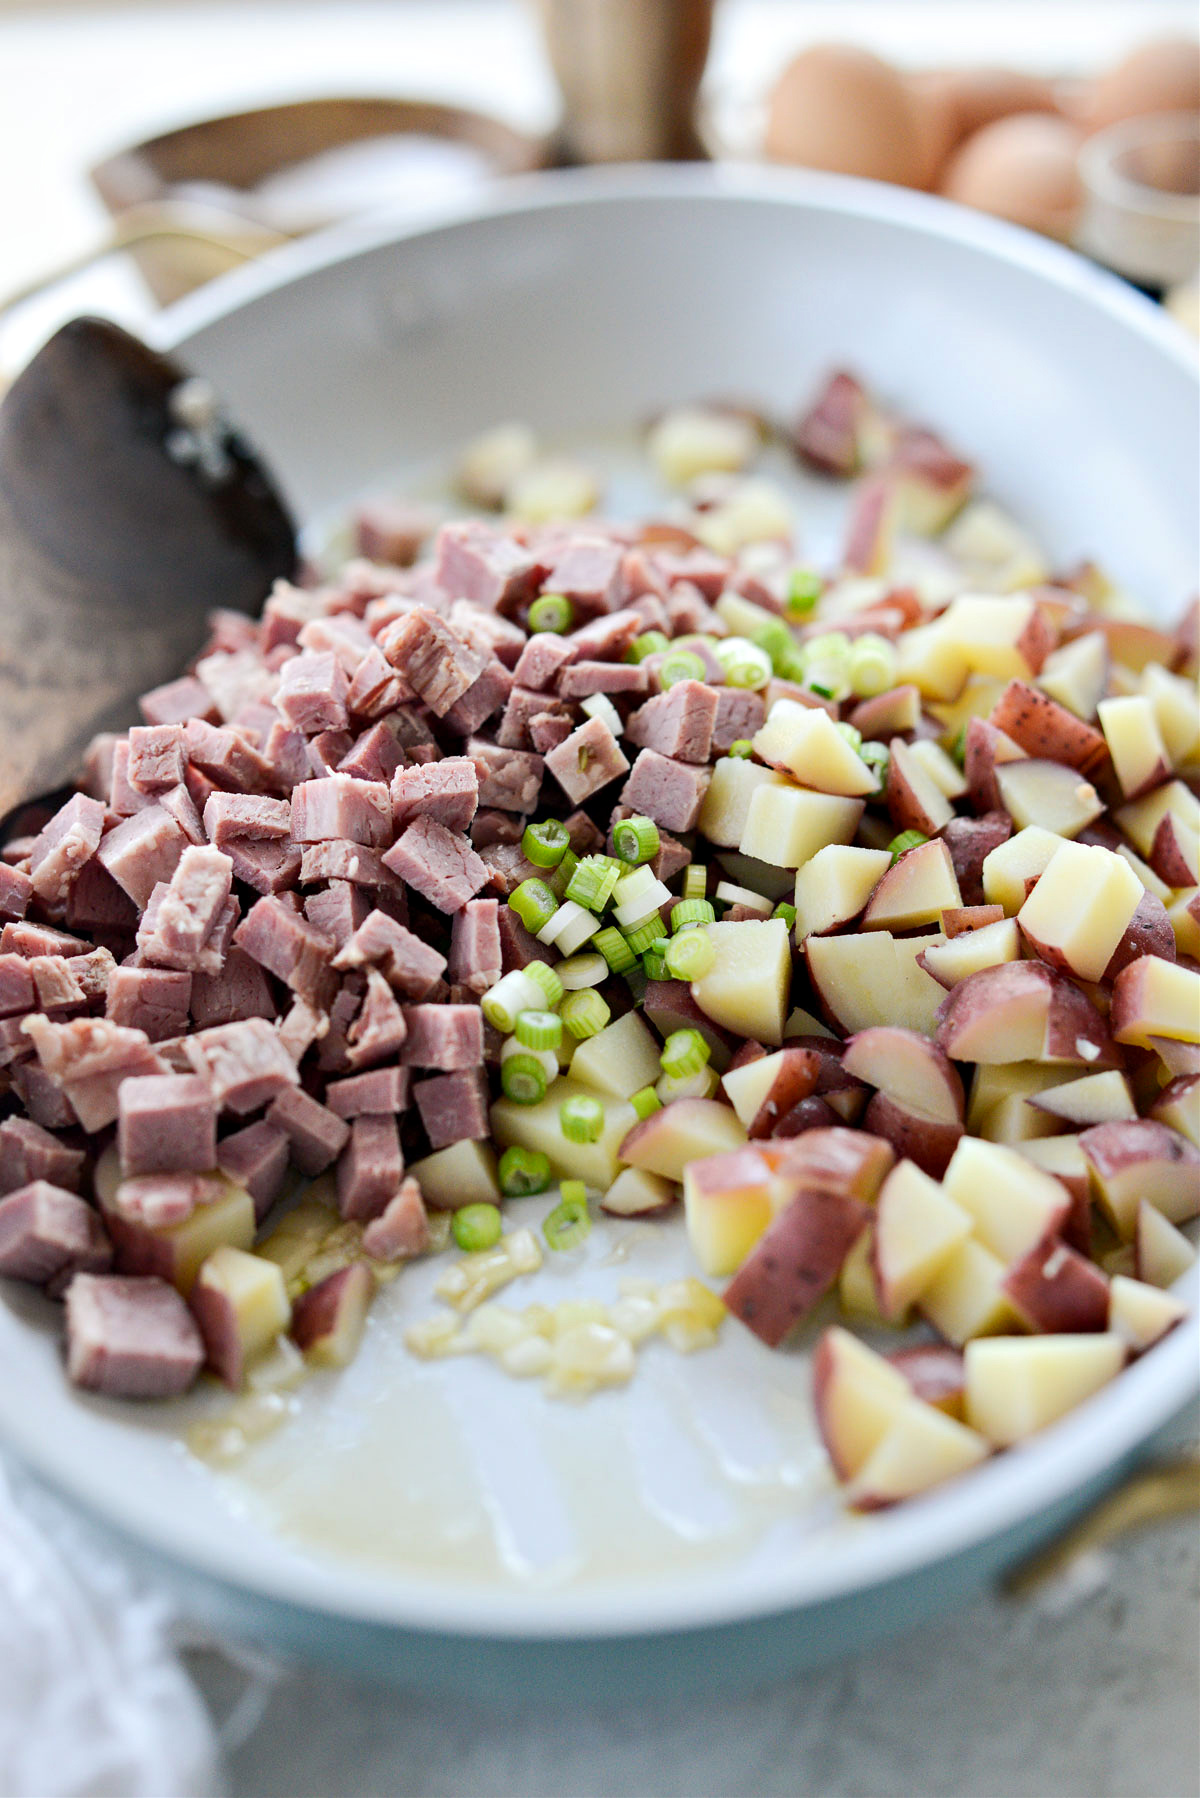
(650, 643)
(636, 840)
(908, 839)
(744, 663)
(741, 749)
(787, 912)
(570, 928)
(691, 955)
(700, 1085)
(546, 843)
(684, 1052)
(822, 691)
(545, 979)
(476, 1227)
(523, 1171)
(580, 971)
(776, 641)
(581, 1118)
(691, 911)
(852, 736)
(729, 893)
(523, 1079)
(748, 675)
(833, 647)
(593, 881)
(695, 881)
(645, 933)
(539, 1029)
(614, 949)
(804, 590)
(958, 751)
(503, 1003)
(872, 666)
(552, 612)
(876, 756)
(560, 878)
(681, 665)
(654, 963)
(585, 1013)
(534, 904)
(646, 1102)
(635, 898)
(568, 1224)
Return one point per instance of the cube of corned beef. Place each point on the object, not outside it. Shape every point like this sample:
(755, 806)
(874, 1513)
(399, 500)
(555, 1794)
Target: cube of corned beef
(285, 752)
(518, 946)
(167, 1124)
(244, 1063)
(250, 816)
(157, 757)
(311, 695)
(178, 804)
(441, 866)
(21, 937)
(509, 779)
(54, 983)
(91, 1057)
(708, 572)
(476, 958)
(606, 639)
(669, 792)
(393, 531)
(345, 861)
(524, 705)
(158, 1202)
(224, 757)
(69, 840)
(43, 1099)
(379, 1030)
(481, 699)
(499, 636)
(587, 760)
(370, 1169)
(326, 751)
(267, 867)
(689, 612)
(507, 867)
(184, 915)
(677, 723)
(333, 1055)
(16, 890)
(383, 1092)
(257, 1158)
(547, 730)
(588, 573)
(472, 561)
(341, 635)
(46, 1233)
(407, 963)
(96, 902)
(375, 755)
(740, 714)
(489, 827)
(414, 733)
(402, 1230)
(14, 1044)
(337, 911)
(155, 1000)
(583, 837)
(178, 701)
(93, 972)
(446, 791)
(542, 660)
(316, 1134)
(17, 994)
(437, 663)
(141, 851)
(123, 798)
(340, 808)
(28, 1152)
(239, 991)
(454, 1107)
(375, 688)
(287, 945)
(582, 679)
(130, 1336)
(639, 578)
(287, 610)
(303, 1026)
(446, 1037)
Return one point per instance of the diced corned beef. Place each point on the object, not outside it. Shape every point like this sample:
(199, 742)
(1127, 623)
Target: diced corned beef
(582, 679)
(481, 699)
(224, 757)
(454, 1107)
(669, 792)
(472, 561)
(92, 1057)
(370, 1169)
(541, 661)
(316, 1134)
(408, 964)
(414, 733)
(288, 946)
(43, 1099)
(434, 659)
(518, 946)
(244, 1063)
(327, 751)
(510, 780)
(167, 1124)
(157, 757)
(178, 701)
(341, 635)
(677, 723)
(14, 1044)
(47, 1233)
(28, 1152)
(446, 791)
(524, 705)
(287, 610)
(183, 916)
(375, 755)
(96, 778)
(96, 902)
(688, 612)
(311, 695)
(490, 827)
(446, 1037)
(303, 1026)
(392, 531)
(402, 1230)
(476, 960)
(652, 612)
(740, 714)
(238, 992)
(158, 1202)
(178, 804)
(381, 1093)
(131, 1337)
(337, 911)
(499, 636)
(155, 1000)
(379, 1030)
(442, 867)
(333, 1052)
(547, 730)
(249, 816)
(229, 631)
(53, 982)
(267, 867)
(345, 861)
(587, 760)
(28, 940)
(588, 572)
(375, 688)
(582, 835)
(69, 840)
(256, 1157)
(16, 890)
(340, 808)
(641, 580)
(699, 567)
(285, 753)
(827, 435)
(236, 678)
(507, 867)
(606, 639)
(16, 985)
(141, 851)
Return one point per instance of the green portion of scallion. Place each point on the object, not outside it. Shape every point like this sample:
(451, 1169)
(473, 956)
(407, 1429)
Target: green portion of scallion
(646, 1102)
(544, 977)
(876, 756)
(691, 955)
(523, 1079)
(568, 1224)
(560, 879)
(681, 664)
(645, 933)
(650, 643)
(522, 1172)
(552, 612)
(872, 665)
(593, 881)
(804, 590)
(695, 880)
(581, 1118)
(692, 911)
(787, 912)
(546, 843)
(654, 963)
(741, 749)
(614, 949)
(636, 840)
(684, 1052)
(534, 904)
(908, 839)
(476, 1227)
(539, 1029)
(585, 1013)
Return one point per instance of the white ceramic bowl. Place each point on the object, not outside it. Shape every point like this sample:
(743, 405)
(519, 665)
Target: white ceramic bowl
(582, 302)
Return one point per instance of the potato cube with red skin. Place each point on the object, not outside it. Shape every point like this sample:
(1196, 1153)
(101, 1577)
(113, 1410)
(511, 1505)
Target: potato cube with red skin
(1055, 1289)
(1178, 1106)
(966, 1297)
(985, 751)
(762, 1091)
(1009, 636)
(804, 741)
(914, 891)
(1140, 819)
(1175, 852)
(1010, 869)
(1076, 675)
(919, 1104)
(686, 1130)
(795, 1262)
(923, 1448)
(1021, 1011)
(914, 1135)
(1155, 998)
(874, 978)
(916, 1230)
(857, 1394)
(1045, 729)
(1015, 1207)
(1017, 1385)
(1140, 758)
(329, 1319)
(971, 951)
(729, 1201)
(914, 799)
(1080, 909)
(637, 1194)
(241, 1304)
(1049, 794)
(936, 1373)
(834, 885)
(1162, 1254)
(1138, 1161)
(838, 1160)
(1141, 1315)
(1149, 932)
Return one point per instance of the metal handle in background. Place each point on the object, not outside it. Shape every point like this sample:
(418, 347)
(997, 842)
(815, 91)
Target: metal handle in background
(1152, 1493)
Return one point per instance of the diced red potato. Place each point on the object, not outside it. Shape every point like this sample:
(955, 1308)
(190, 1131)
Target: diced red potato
(936, 1373)
(240, 1302)
(1022, 1011)
(1054, 1288)
(795, 1261)
(1140, 1160)
(329, 1319)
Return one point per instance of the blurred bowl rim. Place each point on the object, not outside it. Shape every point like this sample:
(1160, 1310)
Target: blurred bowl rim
(1100, 156)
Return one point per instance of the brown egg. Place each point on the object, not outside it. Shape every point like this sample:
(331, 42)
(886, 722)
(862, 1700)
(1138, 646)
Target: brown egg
(1023, 168)
(972, 98)
(1160, 77)
(838, 108)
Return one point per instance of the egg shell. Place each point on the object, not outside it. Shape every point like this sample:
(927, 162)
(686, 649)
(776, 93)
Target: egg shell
(1162, 76)
(840, 108)
(1023, 168)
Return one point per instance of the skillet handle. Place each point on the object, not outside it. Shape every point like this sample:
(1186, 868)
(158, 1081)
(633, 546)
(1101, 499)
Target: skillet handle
(1167, 1487)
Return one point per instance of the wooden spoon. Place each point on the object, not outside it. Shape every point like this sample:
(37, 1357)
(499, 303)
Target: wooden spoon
(129, 509)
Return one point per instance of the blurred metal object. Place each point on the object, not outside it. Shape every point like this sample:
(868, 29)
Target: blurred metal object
(630, 73)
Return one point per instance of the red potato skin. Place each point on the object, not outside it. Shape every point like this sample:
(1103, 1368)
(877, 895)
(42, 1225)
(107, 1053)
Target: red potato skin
(960, 920)
(1044, 728)
(826, 436)
(795, 1081)
(904, 808)
(749, 1051)
(937, 1373)
(796, 1262)
(970, 842)
(217, 1322)
(838, 1160)
(1070, 1015)
(891, 714)
(1056, 1291)
(1148, 932)
(668, 1004)
(869, 527)
(823, 1377)
(1126, 1009)
(810, 1114)
(1114, 1147)
(979, 765)
(318, 1312)
(1187, 637)
(913, 1138)
(1169, 856)
(1179, 1088)
(863, 1046)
